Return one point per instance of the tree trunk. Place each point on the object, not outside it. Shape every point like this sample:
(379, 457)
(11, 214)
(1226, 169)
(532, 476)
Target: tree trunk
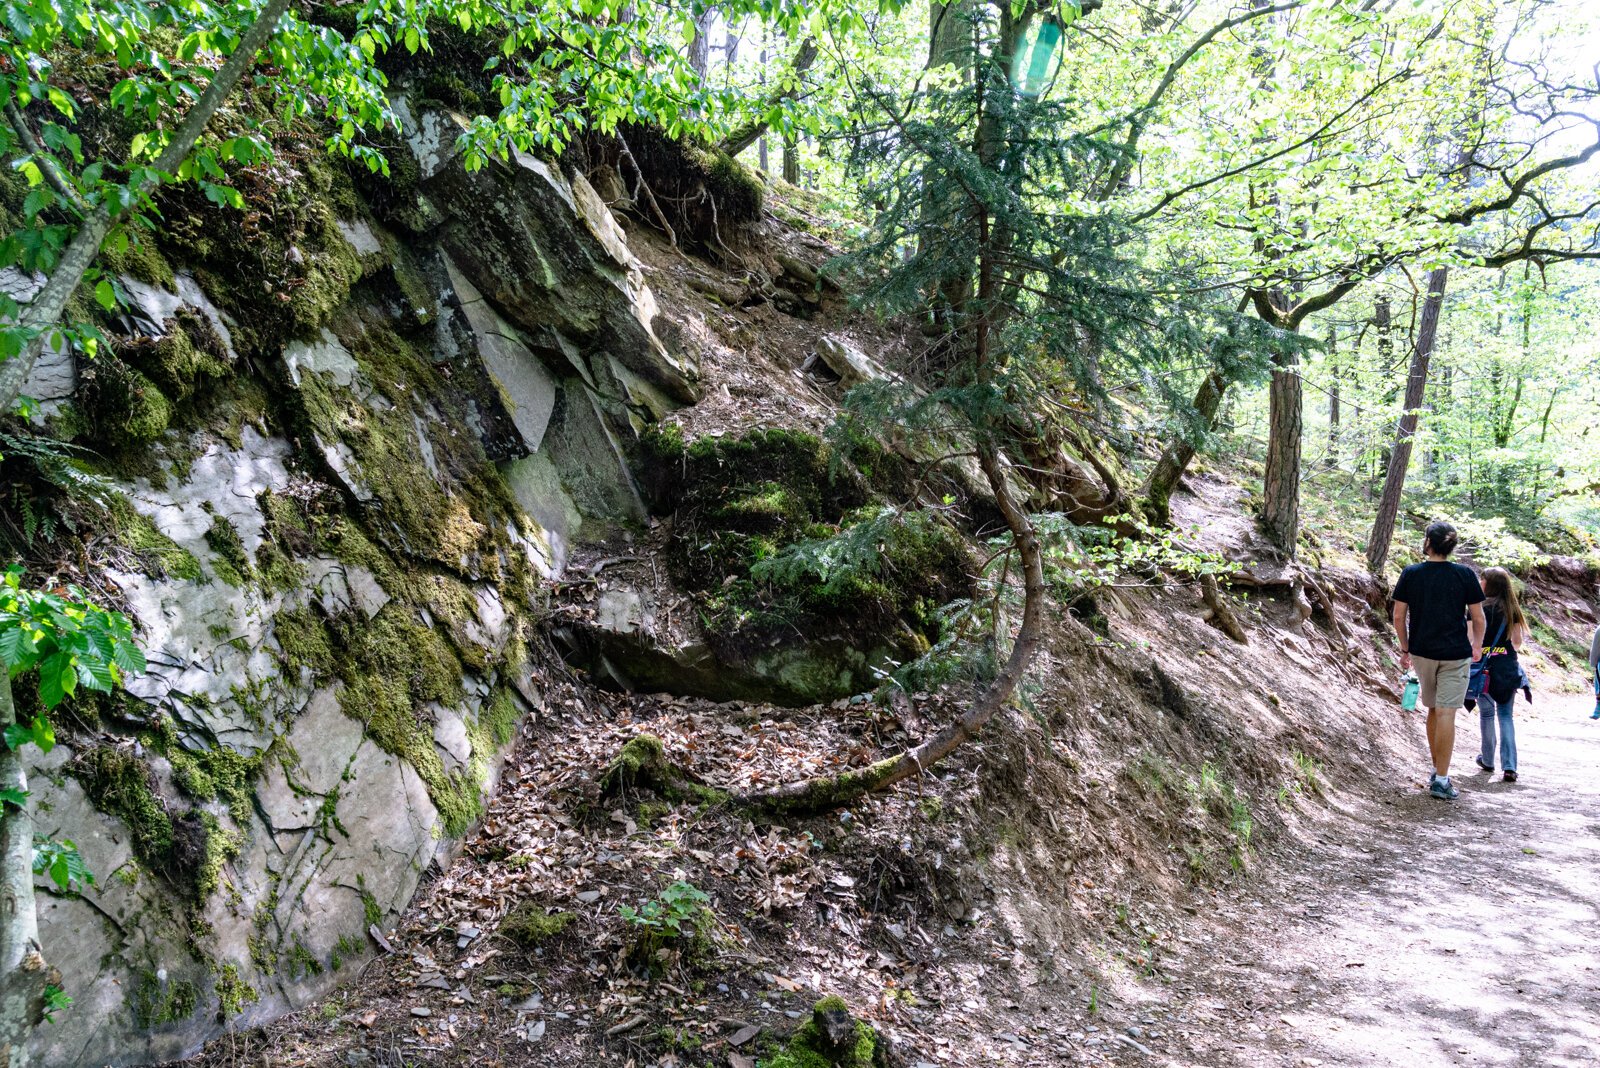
(1416, 386)
(46, 308)
(751, 132)
(1178, 454)
(791, 161)
(1333, 398)
(24, 975)
(1384, 322)
(700, 43)
(950, 34)
(1280, 506)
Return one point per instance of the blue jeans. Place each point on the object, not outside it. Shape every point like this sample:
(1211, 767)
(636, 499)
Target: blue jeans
(1488, 711)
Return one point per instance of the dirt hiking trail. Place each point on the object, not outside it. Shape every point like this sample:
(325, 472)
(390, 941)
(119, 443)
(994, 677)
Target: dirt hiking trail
(1431, 934)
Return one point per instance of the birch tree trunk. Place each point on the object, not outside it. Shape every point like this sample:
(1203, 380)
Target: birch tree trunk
(24, 974)
(45, 310)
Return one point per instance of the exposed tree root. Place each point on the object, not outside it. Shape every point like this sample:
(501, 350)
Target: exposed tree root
(1222, 616)
(642, 766)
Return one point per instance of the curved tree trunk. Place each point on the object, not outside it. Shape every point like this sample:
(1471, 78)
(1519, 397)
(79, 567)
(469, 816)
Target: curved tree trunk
(1400, 457)
(751, 132)
(1179, 453)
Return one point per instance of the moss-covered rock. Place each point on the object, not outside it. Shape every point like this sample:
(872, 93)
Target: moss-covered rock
(831, 1038)
(157, 1001)
(230, 560)
(215, 774)
(158, 555)
(119, 784)
(233, 993)
(805, 586)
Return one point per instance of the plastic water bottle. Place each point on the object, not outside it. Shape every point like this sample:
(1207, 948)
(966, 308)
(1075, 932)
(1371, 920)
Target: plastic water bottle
(1408, 694)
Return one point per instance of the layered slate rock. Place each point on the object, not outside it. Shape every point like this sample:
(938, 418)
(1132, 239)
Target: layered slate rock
(331, 507)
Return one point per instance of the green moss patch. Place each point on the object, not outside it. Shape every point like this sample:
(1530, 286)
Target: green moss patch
(233, 993)
(188, 850)
(231, 562)
(529, 925)
(121, 785)
(392, 667)
(157, 1002)
(159, 556)
(454, 512)
(216, 774)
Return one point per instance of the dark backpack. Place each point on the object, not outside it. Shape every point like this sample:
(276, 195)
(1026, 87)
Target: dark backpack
(1478, 678)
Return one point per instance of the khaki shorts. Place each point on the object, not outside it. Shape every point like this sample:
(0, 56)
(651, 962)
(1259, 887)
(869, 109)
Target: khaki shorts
(1443, 682)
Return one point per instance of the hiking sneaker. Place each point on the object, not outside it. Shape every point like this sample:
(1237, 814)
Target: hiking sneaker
(1443, 789)
(1486, 767)
(1596, 712)
(1509, 776)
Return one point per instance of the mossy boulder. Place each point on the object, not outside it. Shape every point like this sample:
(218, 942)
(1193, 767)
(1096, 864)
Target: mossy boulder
(807, 584)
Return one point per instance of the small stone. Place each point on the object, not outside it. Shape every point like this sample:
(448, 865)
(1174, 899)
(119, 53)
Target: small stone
(722, 988)
(421, 1010)
(792, 1014)
(589, 897)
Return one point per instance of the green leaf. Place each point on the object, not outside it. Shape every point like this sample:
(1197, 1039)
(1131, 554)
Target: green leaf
(105, 294)
(62, 102)
(10, 795)
(44, 735)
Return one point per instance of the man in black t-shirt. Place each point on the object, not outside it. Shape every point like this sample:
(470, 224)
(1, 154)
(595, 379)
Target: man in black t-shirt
(1438, 617)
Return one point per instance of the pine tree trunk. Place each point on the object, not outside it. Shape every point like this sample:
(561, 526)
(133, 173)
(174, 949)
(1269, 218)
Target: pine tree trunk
(1280, 506)
(1400, 458)
(23, 971)
(1384, 322)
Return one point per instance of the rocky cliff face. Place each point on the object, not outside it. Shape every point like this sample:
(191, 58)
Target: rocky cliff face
(345, 436)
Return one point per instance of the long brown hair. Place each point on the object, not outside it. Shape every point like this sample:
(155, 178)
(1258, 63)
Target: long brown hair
(1498, 586)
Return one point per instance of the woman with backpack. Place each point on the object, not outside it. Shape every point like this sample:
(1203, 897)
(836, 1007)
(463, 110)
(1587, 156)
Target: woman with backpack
(1506, 630)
